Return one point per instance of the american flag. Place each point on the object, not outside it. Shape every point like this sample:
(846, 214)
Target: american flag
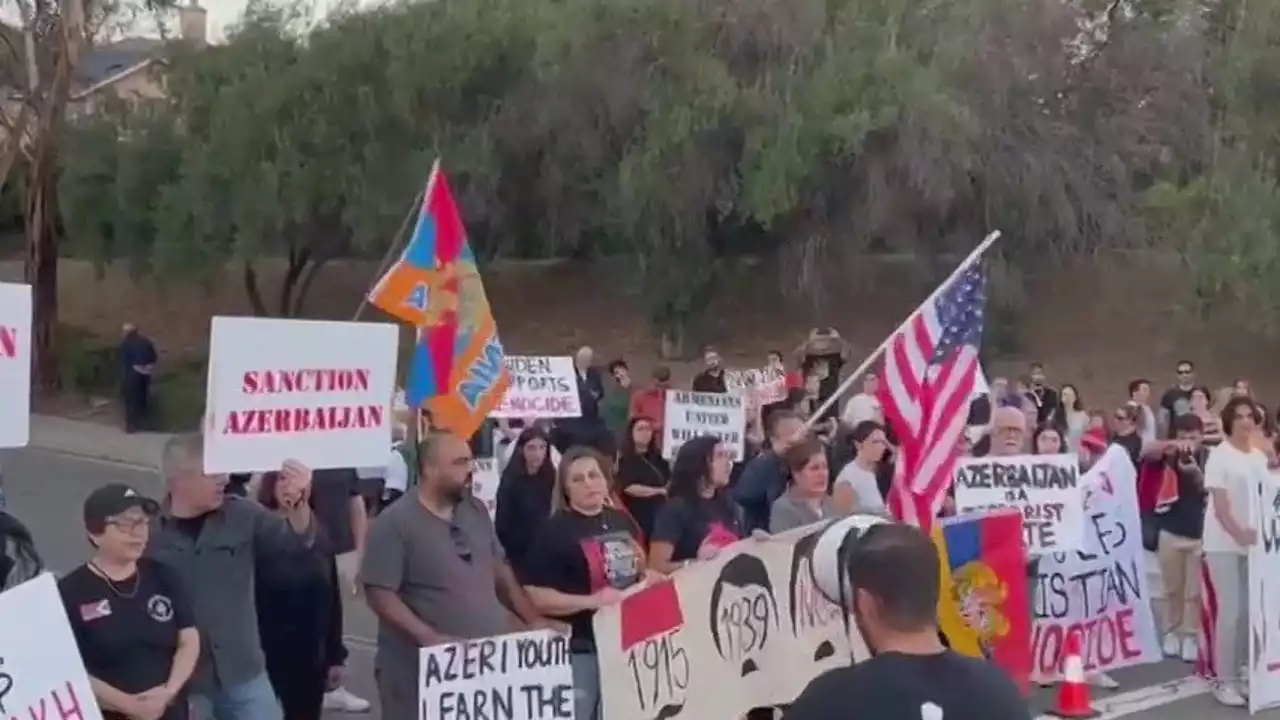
(929, 371)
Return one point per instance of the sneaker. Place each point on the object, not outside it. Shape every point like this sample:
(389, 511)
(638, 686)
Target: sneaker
(1172, 646)
(1227, 695)
(342, 700)
(1101, 680)
(1190, 650)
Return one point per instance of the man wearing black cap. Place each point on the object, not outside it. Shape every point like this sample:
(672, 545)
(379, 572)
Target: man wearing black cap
(132, 622)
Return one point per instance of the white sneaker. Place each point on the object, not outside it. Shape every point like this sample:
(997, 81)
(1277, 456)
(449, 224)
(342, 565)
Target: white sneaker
(342, 700)
(1227, 695)
(1190, 650)
(1172, 646)
(1101, 680)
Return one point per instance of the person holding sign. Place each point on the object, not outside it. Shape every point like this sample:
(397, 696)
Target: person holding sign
(131, 619)
(1234, 468)
(585, 554)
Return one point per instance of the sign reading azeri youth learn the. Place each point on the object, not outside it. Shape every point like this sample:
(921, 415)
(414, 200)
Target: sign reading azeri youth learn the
(15, 364)
(318, 392)
(1045, 488)
(541, 387)
(42, 676)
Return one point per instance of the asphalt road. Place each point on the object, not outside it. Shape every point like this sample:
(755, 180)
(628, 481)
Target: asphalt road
(46, 491)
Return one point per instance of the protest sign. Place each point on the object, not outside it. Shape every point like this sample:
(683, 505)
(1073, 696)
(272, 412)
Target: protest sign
(314, 391)
(764, 386)
(15, 364)
(484, 483)
(1046, 488)
(1101, 591)
(1264, 600)
(522, 676)
(750, 625)
(41, 673)
(691, 414)
(541, 387)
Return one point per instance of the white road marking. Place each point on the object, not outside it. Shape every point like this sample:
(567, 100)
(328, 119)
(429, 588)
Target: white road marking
(1146, 698)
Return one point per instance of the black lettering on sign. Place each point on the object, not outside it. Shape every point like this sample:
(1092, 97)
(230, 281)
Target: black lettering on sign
(6, 685)
(541, 652)
(1051, 599)
(490, 703)
(524, 365)
(1110, 532)
(743, 610)
(702, 417)
(996, 475)
(464, 661)
(660, 671)
(708, 400)
(1110, 585)
(1039, 534)
(542, 701)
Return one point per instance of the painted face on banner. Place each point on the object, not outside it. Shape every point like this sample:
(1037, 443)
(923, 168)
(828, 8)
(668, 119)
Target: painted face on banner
(744, 612)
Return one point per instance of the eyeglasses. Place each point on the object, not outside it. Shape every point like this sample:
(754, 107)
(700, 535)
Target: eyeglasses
(460, 544)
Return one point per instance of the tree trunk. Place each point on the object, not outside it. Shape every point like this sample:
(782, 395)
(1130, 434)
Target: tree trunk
(672, 341)
(41, 267)
(252, 290)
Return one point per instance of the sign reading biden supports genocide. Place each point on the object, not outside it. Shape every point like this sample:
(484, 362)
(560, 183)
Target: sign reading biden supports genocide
(1046, 488)
(693, 414)
(541, 387)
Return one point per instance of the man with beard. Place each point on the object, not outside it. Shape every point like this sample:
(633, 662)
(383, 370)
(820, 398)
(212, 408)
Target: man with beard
(428, 554)
(894, 570)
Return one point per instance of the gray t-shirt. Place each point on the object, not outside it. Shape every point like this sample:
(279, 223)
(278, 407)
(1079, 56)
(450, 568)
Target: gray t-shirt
(331, 493)
(444, 572)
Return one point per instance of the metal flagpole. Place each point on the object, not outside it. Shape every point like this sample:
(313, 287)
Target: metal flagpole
(397, 240)
(875, 354)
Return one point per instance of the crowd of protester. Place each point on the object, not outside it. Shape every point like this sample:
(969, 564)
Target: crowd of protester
(226, 598)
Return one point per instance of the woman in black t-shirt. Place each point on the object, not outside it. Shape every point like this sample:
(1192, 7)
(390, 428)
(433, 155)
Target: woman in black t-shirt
(584, 555)
(642, 473)
(131, 619)
(699, 518)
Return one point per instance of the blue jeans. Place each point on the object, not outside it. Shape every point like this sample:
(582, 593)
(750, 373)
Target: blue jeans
(252, 700)
(586, 686)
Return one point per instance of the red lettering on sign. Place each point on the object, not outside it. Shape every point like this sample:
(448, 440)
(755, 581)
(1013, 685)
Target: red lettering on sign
(1104, 641)
(276, 382)
(301, 420)
(8, 341)
(67, 705)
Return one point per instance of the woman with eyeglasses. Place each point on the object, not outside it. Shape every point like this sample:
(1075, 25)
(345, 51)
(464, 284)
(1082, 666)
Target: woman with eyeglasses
(586, 553)
(131, 619)
(857, 489)
(699, 518)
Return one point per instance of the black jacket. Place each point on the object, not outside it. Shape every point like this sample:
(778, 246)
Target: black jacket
(300, 625)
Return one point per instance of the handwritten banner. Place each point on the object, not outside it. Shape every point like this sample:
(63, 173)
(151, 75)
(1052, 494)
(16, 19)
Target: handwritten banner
(1046, 488)
(541, 387)
(1100, 592)
(41, 674)
(763, 387)
(15, 364)
(750, 624)
(1264, 600)
(691, 414)
(315, 391)
(522, 676)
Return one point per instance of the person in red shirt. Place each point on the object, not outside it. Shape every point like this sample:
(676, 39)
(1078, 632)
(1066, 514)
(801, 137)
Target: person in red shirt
(651, 402)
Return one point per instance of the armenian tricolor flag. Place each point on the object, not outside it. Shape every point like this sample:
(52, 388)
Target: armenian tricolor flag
(457, 369)
(984, 609)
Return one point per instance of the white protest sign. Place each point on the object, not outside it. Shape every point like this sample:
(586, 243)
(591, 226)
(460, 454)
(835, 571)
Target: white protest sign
(15, 364)
(484, 483)
(690, 415)
(42, 675)
(1264, 600)
(1046, 488)
(314, 391)
(541, 387)
(522, 676)
(1101, 591)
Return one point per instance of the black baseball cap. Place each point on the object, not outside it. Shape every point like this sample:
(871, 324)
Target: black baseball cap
(114, 499)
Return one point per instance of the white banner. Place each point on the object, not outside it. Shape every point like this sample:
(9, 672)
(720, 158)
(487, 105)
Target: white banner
(522, 676)
(541, 387)
(1264, 601)
(1046, 488)
(691, 414)
(15, 364)
(318, 392)
(1102, 591)
(42, 675)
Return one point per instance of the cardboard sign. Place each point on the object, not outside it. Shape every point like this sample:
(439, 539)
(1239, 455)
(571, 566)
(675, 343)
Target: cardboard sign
(690, 415)
(15, 365)
(484, 484)
(522, 676)
(541, 387)
(1046, 488)
(42, 675)
(314, 391)
(1100, 592)
(1264, 600)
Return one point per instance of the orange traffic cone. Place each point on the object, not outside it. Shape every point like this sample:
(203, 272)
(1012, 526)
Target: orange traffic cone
(1073, 692)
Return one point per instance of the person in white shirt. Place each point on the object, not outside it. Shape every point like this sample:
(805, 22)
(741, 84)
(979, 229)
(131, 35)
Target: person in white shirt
(865, 405)
(856, 489)
(1231, 475)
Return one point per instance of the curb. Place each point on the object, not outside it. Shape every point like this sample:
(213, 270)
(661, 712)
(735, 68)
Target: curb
(95, 457)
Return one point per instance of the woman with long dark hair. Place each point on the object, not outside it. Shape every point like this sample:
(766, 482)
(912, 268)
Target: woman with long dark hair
(642, 473)
(524, 493)
(699, 518)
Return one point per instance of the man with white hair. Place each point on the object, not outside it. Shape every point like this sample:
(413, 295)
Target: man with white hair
(589, 428)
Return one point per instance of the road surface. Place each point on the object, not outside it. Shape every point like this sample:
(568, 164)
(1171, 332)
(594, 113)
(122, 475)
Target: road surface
(46, 490)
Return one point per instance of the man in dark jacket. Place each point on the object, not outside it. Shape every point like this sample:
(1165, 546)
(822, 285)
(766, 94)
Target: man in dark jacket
(137, 363)
(764, 479)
